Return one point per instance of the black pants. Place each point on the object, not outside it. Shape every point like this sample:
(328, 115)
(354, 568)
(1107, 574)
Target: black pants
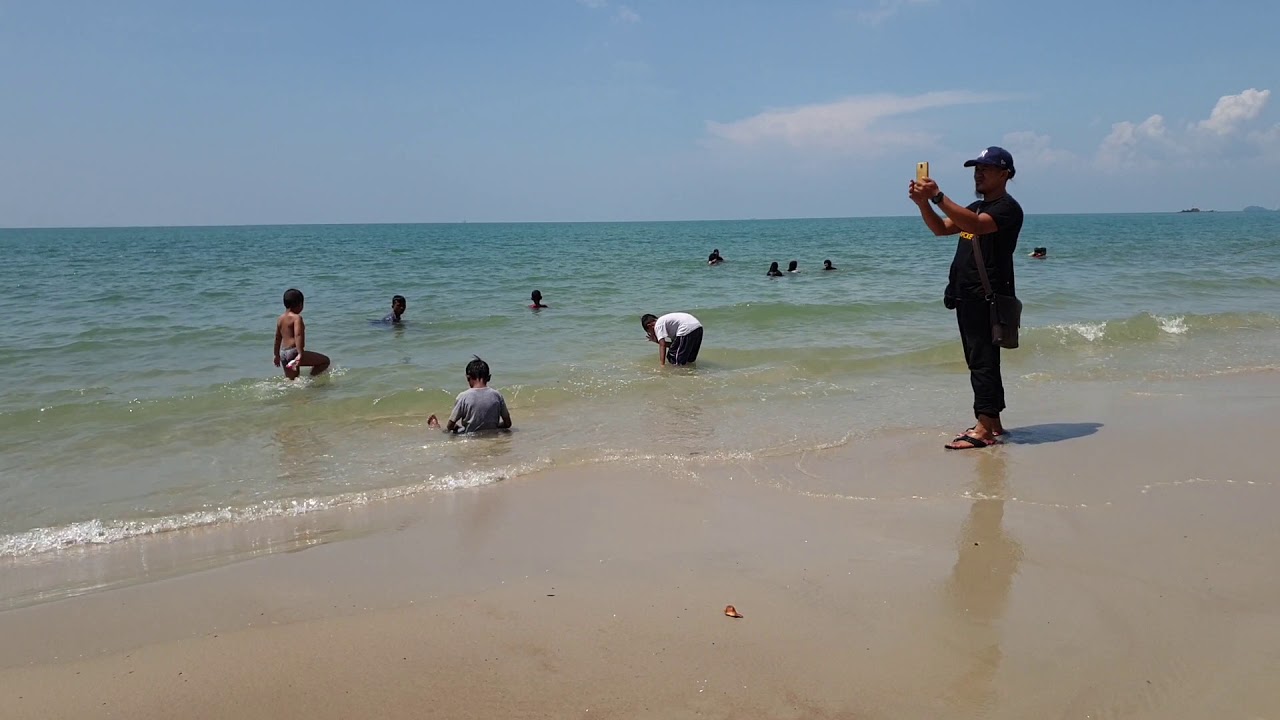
(982, 356)
(684, 349)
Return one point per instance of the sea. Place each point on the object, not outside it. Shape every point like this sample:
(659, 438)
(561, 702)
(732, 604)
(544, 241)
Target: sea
(140, 400)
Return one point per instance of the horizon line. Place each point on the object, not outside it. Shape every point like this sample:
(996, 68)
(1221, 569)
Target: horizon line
(555, 222)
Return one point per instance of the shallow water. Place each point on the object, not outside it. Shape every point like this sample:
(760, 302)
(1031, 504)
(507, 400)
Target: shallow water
(140, 395)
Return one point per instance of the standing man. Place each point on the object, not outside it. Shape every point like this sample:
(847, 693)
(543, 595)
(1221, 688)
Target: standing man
(678, 334)
(994, 221)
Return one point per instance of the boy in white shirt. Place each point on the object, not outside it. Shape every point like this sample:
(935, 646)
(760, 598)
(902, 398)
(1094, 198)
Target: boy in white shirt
(678, 334)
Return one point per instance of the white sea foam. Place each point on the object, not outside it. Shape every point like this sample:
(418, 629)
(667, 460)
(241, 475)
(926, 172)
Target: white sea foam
(1089, 331)
(1173, 326)
(101, 532)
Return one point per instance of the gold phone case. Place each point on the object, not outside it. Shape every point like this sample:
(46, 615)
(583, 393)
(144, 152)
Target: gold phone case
(922, 171)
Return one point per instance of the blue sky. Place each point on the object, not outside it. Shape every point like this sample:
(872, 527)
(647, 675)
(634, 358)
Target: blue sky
(151, 113)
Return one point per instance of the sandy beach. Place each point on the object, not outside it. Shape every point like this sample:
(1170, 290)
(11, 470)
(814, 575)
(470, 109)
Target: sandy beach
(1114, 559)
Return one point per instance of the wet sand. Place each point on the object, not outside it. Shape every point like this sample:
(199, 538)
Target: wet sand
(1115, 558)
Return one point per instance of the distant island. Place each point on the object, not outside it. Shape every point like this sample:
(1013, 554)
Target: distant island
(1250, 209)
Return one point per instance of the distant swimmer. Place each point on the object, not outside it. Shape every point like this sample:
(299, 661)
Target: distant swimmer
(477, 408)
(536, 297)
(826, 265)
(678, 334)
(1040, 253)
(793, 267)
(290, 350)
(715, 258)
(398, 306)
(773, 270)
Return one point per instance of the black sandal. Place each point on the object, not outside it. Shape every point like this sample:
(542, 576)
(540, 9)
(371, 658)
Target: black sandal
(974, 442)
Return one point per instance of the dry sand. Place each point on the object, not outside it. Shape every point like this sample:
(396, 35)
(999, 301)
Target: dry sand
(1115, 559)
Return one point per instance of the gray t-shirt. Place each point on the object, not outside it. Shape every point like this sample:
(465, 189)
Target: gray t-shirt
(478, 409)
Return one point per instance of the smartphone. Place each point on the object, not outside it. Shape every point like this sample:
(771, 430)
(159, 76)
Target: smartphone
(922, 171)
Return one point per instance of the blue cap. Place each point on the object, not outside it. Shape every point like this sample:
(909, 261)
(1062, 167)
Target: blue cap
(995, 157)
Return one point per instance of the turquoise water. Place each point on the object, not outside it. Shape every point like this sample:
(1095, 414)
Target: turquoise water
(140, 396)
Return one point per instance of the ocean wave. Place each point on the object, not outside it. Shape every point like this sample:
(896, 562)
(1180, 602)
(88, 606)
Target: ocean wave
(104, 531)
(1146, 327)
(1173, 325)
(1088, 331)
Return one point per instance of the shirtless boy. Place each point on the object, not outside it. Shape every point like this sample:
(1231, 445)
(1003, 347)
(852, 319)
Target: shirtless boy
(291, 351)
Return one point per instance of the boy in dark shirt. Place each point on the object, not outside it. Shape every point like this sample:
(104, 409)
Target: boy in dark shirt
(398, 306)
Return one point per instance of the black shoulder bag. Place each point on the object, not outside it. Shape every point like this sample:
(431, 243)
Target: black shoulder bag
(1006, 310)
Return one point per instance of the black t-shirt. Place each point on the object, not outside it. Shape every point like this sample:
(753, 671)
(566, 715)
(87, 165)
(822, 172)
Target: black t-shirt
(997, 252)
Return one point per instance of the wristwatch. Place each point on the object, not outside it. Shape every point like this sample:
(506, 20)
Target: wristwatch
(936, 199)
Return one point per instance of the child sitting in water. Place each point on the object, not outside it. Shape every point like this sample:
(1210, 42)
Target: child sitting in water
(477, 408)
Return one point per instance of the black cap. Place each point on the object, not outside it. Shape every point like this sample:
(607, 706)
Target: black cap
(995, 157)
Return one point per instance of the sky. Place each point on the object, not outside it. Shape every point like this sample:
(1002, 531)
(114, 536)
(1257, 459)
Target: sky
(236, 112)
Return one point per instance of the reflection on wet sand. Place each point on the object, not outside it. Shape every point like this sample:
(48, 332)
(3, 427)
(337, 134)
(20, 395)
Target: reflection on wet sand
(977, 590)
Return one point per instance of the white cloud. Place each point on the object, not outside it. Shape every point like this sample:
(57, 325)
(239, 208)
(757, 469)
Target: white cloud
(1131, 144)
(882, 10)
(1233, 110)
(1267, 143)
(627, 15)
(1032, 149)
(1126, 134)
(594, 3)
(1224, 134)
(849, 125)
(1269, 137)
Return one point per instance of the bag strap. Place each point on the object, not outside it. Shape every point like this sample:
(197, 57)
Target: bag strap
(982, 266)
